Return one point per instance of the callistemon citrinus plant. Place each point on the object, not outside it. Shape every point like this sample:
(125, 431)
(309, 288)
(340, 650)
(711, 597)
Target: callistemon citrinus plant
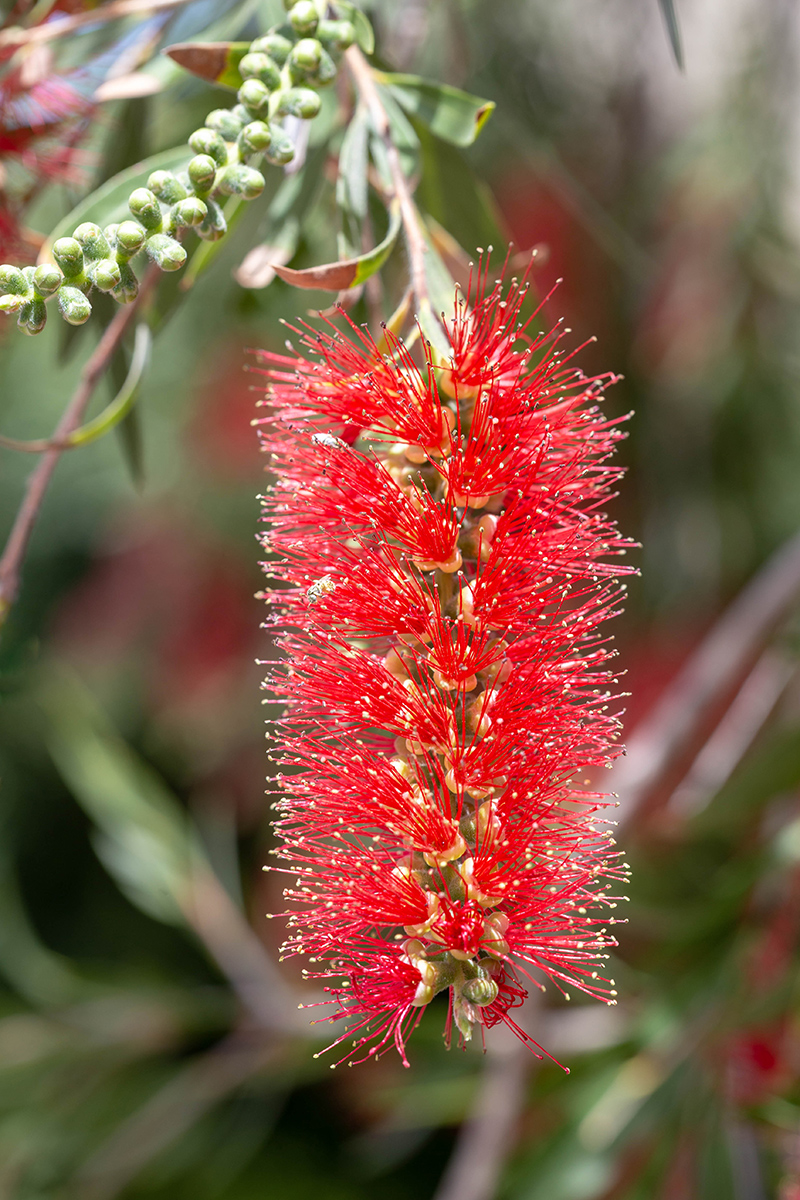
(442, 535)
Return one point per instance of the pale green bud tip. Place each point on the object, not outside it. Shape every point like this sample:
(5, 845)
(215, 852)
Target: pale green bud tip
(307, 54)
(202, 172)
(274, 45)
(304, 16)
(299, 102)
(281, 149)
(11, 303)
(69, 255)
(255, 137)
(254, 96)
(208, 141)
(106, 275)
(168, 254)
(225, 122)
(12, 280)
(261, 67)
(243, 181)
(164, 185)
(336, 35)
(130, 238)
(191, 211)
(47, 279)
(92, 240)
(144, 206)
(73, 305)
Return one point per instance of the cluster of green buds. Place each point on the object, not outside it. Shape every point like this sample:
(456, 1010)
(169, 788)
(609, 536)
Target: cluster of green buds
(280, 73)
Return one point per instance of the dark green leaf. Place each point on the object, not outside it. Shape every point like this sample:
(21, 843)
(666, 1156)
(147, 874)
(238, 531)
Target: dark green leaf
(339, 276)
(451, 114)
(673, 29)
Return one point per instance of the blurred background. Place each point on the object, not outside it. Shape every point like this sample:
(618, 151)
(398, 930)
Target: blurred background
(149, 1045)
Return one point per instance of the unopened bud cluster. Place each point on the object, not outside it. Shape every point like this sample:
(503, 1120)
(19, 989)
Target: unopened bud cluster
(281, 74)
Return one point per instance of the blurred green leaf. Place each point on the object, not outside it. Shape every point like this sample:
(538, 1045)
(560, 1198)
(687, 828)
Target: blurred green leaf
(403, 136)
(451, 114)
(451, 192)
(673, 29)
(338, 276)
(365, 37)
(351, 182)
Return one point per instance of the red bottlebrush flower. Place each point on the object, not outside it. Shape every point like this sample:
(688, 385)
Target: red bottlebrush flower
(443, 559)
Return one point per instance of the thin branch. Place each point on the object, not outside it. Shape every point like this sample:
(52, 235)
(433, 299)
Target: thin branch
(415, 238)
(53, 29)
(39, 479)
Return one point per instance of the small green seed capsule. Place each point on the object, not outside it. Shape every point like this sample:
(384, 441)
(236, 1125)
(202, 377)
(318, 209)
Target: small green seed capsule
(128, 287)
(202, 173)
(69, 256)
(304, 16)
(254, 96)
(145, 208)
(239, 180)
(208, 141)
(32, 316)
(130, 239)
(166, 187)
(93, 241)
(12, 280)
(73, 305)
(191, 211)
(47, 279)
(281, 148)
(224, 122)
(254, 138)
(480, 991)
(299, 102)
(106, 275)
(336, 35)
(214, 226)
(168, 254)
(258, 66)
(274, 46)
(12, 303)
(306, 55)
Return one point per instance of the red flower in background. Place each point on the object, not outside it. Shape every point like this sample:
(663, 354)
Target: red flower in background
(443, 560)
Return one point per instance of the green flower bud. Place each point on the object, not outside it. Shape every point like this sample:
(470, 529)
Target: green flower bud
(305, 56)
(281, 149)
(480, 991)
(274, 45)
(336, 35)
(32, 317)
(191, 211)
(128, 287)
(47, 279)
(254, 138)
(254, 96)
(241, 113)
(202, 173)
(166, 187)
(214, 225)
(92, 239)
(299, 102)
(239, 180)
(12, 280)
(106, 274)
(12, 303)
(208, 141)
(69, 255)
(73, 305)
(130, 239)
(145, 208)
(258, 66)
(326, 71)
(165, 251)
(225, 122)
(304, 16)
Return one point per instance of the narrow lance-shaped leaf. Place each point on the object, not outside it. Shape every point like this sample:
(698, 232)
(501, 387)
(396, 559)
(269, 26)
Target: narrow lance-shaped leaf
(448, 112)
(338, 276)
(673, 29)
(216, 62)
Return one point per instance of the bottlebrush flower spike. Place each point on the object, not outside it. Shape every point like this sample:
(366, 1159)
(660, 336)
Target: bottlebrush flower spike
(443, 560)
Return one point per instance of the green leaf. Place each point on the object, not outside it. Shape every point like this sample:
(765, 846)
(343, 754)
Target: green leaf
(451, 193)
(109, 203)
(673, 29)
(351, 183)
(403, 136)
(365, 37)
(216, 62)
(451, 114)
(339, 276)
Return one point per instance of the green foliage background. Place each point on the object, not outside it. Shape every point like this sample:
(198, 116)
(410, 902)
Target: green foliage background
(131, 735)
